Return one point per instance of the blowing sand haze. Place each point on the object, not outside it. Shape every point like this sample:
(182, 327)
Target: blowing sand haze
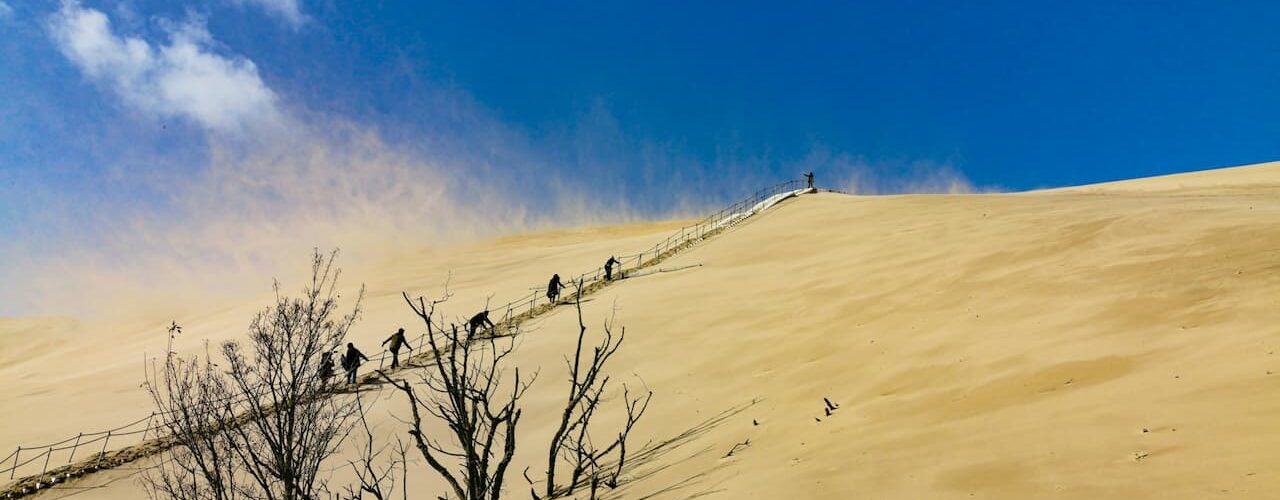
(285, 250)
(1110, 341)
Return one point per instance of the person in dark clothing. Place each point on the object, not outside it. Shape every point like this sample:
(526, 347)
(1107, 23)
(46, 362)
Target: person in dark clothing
(397, 341)
(608, 268)
(809, 177)
(480, 320)
(351, 362)
(326, 367)
(553, 288)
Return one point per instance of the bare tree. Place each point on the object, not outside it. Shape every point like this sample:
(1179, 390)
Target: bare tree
(465, 391)
(190, 396)
(374, 475)
(260, 427)
(572, 440)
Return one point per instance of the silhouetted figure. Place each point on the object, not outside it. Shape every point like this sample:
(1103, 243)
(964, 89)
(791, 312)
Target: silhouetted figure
(397, 341)
(326, 367)
(480, 320)
(608, 267)
(351, 362)
(553, 288)
(809, 177)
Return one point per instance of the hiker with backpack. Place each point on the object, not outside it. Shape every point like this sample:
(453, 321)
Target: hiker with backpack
(397, 341)
(553, 288)
(326, 367)
(351, 362)
(480, 320)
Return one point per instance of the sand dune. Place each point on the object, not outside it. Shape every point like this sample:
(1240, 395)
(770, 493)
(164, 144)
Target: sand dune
(97, 367)
(1247, 178)
(1110, 341)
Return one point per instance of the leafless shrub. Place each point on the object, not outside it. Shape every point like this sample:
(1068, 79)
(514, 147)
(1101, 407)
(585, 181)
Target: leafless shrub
(190, 397)
(374, 475)
(572, 441)
(465, 391)
(261, 426)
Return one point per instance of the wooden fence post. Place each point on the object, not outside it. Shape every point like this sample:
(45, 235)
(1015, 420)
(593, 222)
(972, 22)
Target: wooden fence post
(104, 451)
(73, 448)
(45, 469)
(148, 429)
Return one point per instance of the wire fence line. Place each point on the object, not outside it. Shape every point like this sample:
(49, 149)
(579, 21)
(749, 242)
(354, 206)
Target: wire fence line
(22, 464)
(686, 235)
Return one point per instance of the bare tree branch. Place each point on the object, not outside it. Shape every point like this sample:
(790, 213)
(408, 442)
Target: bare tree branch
(465, 390)
(572, 440)
(259, 426)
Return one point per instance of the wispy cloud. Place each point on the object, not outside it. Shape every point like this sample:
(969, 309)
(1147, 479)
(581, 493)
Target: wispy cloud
(5, 10)
(183, 78)
(215, 228)
(220, 233)
(288, 11)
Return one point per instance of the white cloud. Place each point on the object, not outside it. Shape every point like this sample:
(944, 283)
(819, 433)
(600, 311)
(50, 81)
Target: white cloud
(181, 79)
(288, 10)
(5, 10)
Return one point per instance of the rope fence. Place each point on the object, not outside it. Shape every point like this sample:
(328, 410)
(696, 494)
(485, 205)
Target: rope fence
(32, 464)
(685, 236)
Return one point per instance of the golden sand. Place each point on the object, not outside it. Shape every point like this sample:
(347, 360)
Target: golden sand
(1111, 341)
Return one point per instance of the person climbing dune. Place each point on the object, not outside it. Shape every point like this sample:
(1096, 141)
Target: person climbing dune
(553, 288)
(480, 320)
(397, 341)
(326, 367)
(351, 362)
(608, 268)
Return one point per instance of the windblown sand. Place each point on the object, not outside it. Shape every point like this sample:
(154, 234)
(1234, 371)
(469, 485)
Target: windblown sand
(1120, 340)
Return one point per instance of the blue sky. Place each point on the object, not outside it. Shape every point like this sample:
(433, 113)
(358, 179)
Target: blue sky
(112, 107)
(1012, 94)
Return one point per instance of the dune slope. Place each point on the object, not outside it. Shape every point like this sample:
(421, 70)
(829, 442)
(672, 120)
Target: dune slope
(1117, 343)
(96, 367)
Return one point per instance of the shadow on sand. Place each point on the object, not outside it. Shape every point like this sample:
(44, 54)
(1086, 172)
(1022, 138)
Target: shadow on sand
(645, 464)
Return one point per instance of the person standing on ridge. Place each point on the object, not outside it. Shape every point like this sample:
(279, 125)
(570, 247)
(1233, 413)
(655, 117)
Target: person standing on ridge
(397, 341)
(480, 320)
(809, 177)
(608, 268)
(553, 288)
(351, 362)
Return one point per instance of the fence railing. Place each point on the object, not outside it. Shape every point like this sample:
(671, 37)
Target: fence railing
(685, 236)
(43, 461)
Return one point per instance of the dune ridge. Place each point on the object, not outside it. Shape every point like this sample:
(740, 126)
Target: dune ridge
(1106, 342)
(513, 313)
